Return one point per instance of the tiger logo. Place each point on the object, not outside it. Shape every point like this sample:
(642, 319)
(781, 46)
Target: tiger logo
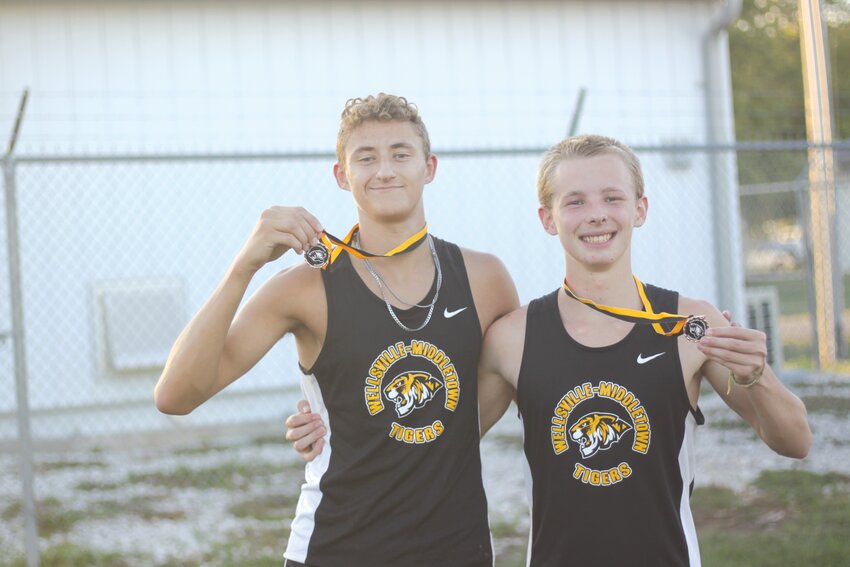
(317, 256)
(597, 431)
(411, 391)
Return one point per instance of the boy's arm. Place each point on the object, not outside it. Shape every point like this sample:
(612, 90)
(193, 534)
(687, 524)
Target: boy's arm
(218, 346)
(495, 296)
(498, 369)
(774, 412)
(493, 290)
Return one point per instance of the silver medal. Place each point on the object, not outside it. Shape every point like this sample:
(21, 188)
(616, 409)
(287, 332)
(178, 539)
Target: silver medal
(695, 328)
(317, 256)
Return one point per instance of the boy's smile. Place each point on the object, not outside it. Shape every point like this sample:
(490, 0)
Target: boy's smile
(386, 170)
(594, 209)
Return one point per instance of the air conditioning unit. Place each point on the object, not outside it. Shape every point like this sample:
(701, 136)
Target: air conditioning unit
(763, 314)
(137, 322)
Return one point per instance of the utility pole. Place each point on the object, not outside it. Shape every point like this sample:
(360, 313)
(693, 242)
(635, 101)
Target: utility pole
(829, 297)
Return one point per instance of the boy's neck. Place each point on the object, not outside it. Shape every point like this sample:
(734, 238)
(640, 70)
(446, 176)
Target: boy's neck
(380, 237)
(614, 286)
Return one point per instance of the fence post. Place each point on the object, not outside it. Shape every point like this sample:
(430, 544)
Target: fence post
(25, 449)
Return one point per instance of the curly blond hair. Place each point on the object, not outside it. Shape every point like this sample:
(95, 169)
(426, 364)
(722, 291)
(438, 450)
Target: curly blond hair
(587, 145)
(381, 107)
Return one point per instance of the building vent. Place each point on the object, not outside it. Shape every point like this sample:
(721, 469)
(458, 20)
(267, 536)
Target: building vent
(138, 322)
(763, 314)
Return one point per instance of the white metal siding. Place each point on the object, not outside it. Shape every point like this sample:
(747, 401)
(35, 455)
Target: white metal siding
(131, 76)
(149, 75)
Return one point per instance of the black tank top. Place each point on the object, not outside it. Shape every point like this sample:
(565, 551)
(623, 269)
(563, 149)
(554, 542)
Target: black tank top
(399, 481)
(608, 436)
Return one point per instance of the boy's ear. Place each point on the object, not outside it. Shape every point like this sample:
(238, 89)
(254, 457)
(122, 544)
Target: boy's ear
(642, 208)
(431, 168)
(341, 177)
(547, 221)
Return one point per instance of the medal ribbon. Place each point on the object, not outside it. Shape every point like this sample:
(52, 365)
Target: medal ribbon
(647, 317)
(336, 245)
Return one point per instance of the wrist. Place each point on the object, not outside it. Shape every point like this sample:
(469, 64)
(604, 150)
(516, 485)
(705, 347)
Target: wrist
(242, 272)
(745, 383)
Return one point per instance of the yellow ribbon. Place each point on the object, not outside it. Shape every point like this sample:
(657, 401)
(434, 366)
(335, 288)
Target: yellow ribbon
(646, 317)
(336, 245)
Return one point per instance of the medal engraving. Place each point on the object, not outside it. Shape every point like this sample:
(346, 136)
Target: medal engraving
(695, 328)
(317, 256)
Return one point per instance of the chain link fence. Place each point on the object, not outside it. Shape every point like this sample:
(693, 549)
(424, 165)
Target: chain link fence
(783, 249)
(115, 253)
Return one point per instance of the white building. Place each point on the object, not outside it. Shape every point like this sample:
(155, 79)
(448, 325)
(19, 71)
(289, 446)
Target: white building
(163, 78)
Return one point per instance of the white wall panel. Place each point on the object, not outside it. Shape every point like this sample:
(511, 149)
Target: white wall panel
(214, 75)
(204, 76)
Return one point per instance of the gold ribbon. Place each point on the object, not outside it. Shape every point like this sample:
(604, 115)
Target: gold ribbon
(336, 245)
(646, 317)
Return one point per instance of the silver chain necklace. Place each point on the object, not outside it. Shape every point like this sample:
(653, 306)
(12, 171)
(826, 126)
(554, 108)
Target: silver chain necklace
(382, 285)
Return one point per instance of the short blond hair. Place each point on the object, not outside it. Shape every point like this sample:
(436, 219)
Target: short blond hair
(587, 145)
(381, 107)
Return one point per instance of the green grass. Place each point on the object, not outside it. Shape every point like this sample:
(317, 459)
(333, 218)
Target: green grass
(513, 555)
(253, 547)
(729, 424)
(70, 555)
(271, 439)
(788, 518)
(229, 475)
(832, 405)
(803, 381)
(784, 519)
(793, 294)
(201, 449)
(92, 486)
(48, 466)
(53, 518)
(207, 446)
(511, 543)
(277, 507)
(802, 356)
(139, 506)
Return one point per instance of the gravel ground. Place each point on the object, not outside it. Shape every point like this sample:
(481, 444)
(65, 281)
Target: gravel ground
(184, 520)
(734, 456)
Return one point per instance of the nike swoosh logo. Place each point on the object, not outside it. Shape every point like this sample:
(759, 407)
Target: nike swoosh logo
(642, 360)
(449, 314)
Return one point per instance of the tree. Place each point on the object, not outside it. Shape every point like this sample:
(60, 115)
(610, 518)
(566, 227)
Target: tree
(767, 70)
(767, 82)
